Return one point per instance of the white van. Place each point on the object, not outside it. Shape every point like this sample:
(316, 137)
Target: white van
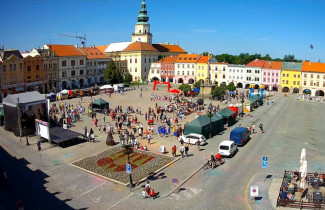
(227, 148)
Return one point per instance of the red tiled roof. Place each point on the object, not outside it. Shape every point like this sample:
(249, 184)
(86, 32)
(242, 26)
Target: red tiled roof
(313, 67)
(65, 50)
(102, 48)
(187, 58)
(203, 59)
(168, 48)
(273, 65)
(256, 63)
(93, 53)
(140, 46)
(169, 59)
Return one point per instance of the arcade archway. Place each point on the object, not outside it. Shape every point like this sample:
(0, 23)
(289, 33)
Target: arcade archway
(239, 85)
(319, 93)
(180, 80)
(190, 81)
(286, 90)
(295, 90)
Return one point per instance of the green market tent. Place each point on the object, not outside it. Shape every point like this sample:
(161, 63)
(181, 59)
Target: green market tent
(228, 116)
(2, 113)
(100, 104)
(2, 116)
(201, 125)
(255, 99)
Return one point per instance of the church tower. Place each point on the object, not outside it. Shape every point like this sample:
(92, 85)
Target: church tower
(142, 28)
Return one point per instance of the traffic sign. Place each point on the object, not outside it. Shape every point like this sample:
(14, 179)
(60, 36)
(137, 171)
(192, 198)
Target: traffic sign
(175, 181)
(128, 168)
(254, 191)
(264, 162)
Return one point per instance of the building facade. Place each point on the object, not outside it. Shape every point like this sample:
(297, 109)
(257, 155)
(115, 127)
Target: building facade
(168, 68)
(254, 73)
(71, 66)
(12, 72)
(33, 71)
(202, 70)
(290, 80)
(271, 72)
(237, 75)
(219, 73)
(96, 64)
(313, 78)
(185, 68)
(154, 72)
(50, 70)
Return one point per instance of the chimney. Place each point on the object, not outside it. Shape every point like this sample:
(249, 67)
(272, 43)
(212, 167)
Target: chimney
(309, 63)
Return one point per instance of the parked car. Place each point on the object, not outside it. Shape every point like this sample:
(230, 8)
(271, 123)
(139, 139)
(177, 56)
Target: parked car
(240, 135)
(227, 148)
(192, 138)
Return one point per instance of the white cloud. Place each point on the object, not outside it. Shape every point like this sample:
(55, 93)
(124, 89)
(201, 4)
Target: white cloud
(266, 38)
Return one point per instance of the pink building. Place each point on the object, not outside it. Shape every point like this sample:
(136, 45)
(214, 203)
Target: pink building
(271, 72)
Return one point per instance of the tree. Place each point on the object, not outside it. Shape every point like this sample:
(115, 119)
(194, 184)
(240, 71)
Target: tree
(112, 74)
(127, 78)
(184, 87)
(206, 53)
(231, 87)
(218, 92)
(197, 84)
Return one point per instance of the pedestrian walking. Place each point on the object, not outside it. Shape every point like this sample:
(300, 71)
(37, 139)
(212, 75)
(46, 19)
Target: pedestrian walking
(174, 151)
(182, 150)
(153, 194)
(253, 127)
(198, 145)
(148, 137)
(186, 150)
(261, 127)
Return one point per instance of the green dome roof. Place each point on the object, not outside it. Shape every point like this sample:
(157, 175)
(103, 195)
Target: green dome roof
(143, 16)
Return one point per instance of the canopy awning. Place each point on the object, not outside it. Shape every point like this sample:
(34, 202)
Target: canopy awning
(226, 113)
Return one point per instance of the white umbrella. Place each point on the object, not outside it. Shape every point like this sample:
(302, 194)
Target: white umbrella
(302, 156)
(303, 174)
(64, 91)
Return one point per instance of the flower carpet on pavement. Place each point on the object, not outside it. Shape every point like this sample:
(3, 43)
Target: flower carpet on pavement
(111, 164)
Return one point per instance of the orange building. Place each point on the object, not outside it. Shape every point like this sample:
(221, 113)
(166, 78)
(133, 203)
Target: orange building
(33, 71)
(12, 77)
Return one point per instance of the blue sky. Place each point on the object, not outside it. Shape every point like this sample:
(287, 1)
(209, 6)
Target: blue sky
(277, 27)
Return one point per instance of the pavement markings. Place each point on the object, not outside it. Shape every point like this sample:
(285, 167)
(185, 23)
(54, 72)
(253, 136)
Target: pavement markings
(96, 200)
(91, 189)
(120, 201)
(185, 194)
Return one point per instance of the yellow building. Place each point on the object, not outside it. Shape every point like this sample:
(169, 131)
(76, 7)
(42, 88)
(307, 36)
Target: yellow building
(202, 70)
(219, 73)
(291, 77)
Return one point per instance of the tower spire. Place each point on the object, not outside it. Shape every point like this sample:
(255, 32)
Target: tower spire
(143, 15)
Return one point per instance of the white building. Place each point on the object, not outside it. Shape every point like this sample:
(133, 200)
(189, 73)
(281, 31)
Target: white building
(237, 75)
(154, 72)
(72, 66)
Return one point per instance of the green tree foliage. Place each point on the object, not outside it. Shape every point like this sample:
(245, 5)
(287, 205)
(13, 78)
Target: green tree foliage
(197, 84)
(218, 92)
(127, 78)
(184, 87)
(112, 74)
(245, 58)
(231, 87)
(205, 53)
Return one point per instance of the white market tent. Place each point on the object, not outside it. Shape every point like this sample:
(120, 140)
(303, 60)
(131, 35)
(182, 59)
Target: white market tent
(106, 87)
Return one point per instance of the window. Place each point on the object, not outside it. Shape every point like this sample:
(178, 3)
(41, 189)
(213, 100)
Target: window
(73, 73)
(305, 82)
(73, 63)
(21, 66)
(298, 83)
(37, 77)
(135, 60)
(272, 80)
(165, 72)
(178, 66)
(216, 68)
(64, 63)
(229, 70)
(276, 74)
(182, 72)
(283, 81)
(177, 72)
(257, 71)
(298, 75)
(152, 71)
(324, 77)
(224, 69)
(4, 68)
(215, 76)
(294, 82)
(268, 80)
(276, 80)
(311, 76)
(305, 75)
(188, 73)
(81, 62)
(199, 67)
(199, 74)
(283, 75)
(287, 82)
(223, 76)
(192, 65)
(29, 68)
(14, 66)
(188, 65)
(287, 75)
(64, 74)
(202, 75)
(145, 60)
(249, 71)
(135, 70)
(37, 67)
(265, 73)
(130, 60)
(264, 80)
(318, 76)
(317, 84)
(10, 67)
(81, 72)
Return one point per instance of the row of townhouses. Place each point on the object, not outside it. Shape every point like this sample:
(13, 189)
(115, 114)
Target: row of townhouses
(293, 77)
(51, 68)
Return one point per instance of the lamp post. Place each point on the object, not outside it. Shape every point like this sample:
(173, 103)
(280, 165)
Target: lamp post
(210, 115)
(128, 150)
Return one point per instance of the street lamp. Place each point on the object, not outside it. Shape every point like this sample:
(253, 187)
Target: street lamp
(128, 150)
(210, 115)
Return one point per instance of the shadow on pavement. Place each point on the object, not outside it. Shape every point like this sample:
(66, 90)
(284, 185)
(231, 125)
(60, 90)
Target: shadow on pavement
(26, 186)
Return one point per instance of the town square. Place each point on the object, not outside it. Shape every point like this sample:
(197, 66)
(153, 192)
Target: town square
(139, 124)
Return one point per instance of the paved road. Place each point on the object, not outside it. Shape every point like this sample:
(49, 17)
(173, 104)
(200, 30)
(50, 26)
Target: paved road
(290, 125)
